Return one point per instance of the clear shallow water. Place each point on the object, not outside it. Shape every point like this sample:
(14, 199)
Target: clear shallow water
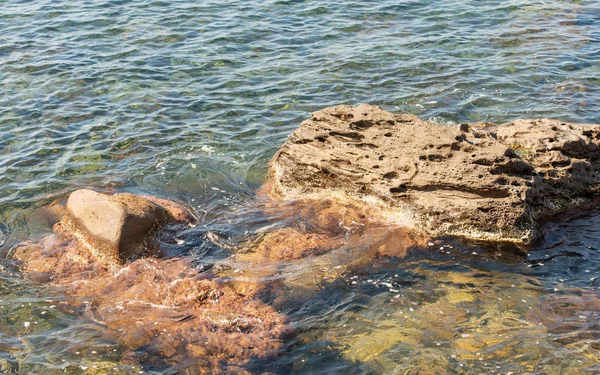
(191, 100)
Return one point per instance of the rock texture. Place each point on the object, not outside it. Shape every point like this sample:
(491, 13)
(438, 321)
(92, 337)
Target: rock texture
(482, 181)
(116, 228)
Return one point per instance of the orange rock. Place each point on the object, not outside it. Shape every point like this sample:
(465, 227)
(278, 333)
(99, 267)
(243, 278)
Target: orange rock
(289, 243)
(194, 324)
(398, 241)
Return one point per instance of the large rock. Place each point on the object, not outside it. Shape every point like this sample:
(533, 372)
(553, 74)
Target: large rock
(482, 181)
(116, 228)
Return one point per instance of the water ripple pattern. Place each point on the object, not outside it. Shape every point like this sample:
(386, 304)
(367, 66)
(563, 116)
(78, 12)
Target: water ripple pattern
(190, 99)
(102, 91)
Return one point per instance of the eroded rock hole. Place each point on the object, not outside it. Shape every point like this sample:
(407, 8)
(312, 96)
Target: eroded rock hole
(361, 124)
(344, 116)
(399, 189)
(561, 163)
(351, 136)
(390, 175)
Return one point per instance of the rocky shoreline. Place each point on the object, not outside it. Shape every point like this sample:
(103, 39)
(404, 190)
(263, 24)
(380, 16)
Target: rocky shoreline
(349, 169)
(350, 185)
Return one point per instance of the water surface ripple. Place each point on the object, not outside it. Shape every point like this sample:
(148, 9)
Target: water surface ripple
(191, 99)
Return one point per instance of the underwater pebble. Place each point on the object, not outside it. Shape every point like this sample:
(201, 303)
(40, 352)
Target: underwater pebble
(27, 324)
(209, 150)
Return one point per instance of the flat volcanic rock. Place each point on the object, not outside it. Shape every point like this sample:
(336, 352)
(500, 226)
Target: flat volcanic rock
(482, 181)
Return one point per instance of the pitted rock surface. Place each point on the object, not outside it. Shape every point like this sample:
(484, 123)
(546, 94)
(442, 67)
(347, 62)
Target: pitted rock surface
(482, 181)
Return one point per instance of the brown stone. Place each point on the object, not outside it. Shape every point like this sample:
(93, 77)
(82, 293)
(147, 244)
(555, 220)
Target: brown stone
(287, 243)
(482, 181)
(178, 212)
(115, 228)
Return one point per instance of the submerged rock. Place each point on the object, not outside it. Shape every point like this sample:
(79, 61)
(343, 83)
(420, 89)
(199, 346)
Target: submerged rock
(481, 181)
(121, 227)
(161, 312)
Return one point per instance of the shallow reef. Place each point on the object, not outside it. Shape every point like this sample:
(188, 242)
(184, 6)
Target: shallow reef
(158, 310)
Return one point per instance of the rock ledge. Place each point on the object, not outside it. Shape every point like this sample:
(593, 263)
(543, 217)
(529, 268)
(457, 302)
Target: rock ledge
(482, 181)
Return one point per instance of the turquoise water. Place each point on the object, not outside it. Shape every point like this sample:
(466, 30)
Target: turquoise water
(190, 100)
